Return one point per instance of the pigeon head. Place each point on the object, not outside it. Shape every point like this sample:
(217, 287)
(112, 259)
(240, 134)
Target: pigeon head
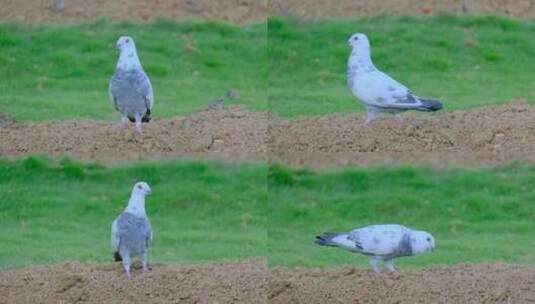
(359, 42)
(128, 59)
(421, 242)
(141, 188)
(125, 43)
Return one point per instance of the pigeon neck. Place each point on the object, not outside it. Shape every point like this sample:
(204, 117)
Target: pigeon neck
(136, 205)
(360, 58)
(128, 60)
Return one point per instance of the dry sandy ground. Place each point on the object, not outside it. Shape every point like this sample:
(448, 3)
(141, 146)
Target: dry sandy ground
(490, 283)
(246, 11)
(250, 282)
(313, 9)
(41, 11)
(235, 282)
(483, 136)
(234, 134)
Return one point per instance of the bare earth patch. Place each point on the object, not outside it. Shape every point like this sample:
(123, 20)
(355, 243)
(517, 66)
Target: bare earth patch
(234, 134)
(484, 136)
(313, 9)
(6, 120)
(236, 282)
(486, 283)
(42, 11)
(250, 281)
(246, 11)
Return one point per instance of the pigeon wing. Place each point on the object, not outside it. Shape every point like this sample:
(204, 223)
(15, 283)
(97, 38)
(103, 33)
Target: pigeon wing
(392, 94)
(111, 92)
(381, 240)
(149, 234)
(115, 237)
(144, 88)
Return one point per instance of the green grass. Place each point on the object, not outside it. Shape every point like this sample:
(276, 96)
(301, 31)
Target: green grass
(62, 71)
(54, 212)
(465, 61)
(476, 215)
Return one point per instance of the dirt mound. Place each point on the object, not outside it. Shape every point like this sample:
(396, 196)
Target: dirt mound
(313, 9)
(6, 120)
(37, 11)
(237, 282)
(484, 136)
(490, 283)
(246, 11)
(250, 281)
(232, 134)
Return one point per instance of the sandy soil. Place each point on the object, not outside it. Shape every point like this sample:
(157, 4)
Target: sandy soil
(490, 283)
(313, 9)
(238, 282)
(250, 282)
(6, 120)
(483, 136)
(38, 11)
(234, 134)
(246, 11)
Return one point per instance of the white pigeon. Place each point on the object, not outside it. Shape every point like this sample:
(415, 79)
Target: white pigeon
(130, 88)
(378, 91)
(131, 233)
(381, 243)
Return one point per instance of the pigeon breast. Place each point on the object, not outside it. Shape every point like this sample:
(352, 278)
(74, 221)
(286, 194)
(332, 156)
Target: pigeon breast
(131, 92)
(134, 233)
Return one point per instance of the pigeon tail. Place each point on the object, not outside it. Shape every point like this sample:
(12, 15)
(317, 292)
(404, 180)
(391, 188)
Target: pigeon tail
(117, 256)
(430, 105)
(145, 118)
(326, 239)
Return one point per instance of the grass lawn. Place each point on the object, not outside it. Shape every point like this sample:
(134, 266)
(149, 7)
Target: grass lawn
(62, 72)
(53, 212)
(476, 215)
(465, 61)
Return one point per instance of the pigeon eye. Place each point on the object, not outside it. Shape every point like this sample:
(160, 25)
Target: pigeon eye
(356, 38)
(429, 239)
(139, 186)
(127, 40)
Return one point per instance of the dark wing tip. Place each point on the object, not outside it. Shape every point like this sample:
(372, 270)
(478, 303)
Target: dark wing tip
(146, 117)
(117, 257)
(431, 105)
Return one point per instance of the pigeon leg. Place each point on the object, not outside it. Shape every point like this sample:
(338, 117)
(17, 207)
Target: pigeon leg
(144, 262)
(389, 264)
(371, 114)
(126, 263)
(373, 263)
(138, 125)
(399, 117)
(122, 123)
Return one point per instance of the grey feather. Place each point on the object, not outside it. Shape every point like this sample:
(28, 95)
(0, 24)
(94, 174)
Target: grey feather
(380, 242)
(134, 234)
(376, 90)
(131, 93)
